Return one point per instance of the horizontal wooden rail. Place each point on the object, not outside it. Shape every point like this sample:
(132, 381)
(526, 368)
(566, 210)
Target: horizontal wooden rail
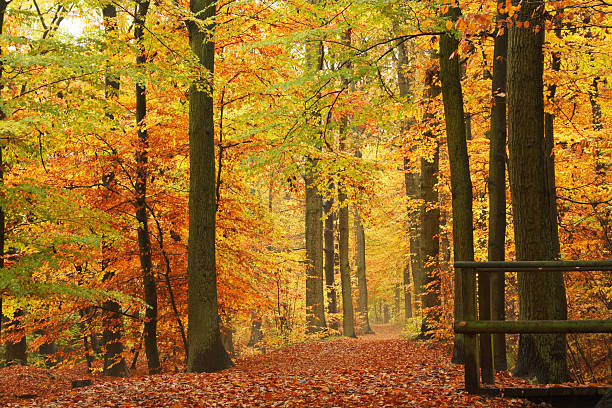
(536, 266)
(534, 326)
(470, 326)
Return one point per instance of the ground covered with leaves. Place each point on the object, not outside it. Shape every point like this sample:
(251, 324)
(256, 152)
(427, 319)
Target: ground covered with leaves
(379, 370)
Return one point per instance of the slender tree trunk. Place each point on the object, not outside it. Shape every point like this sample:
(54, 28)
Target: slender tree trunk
(412, 183)
(315, 309)
(142, 174)
(328, 233)
(348, 317)
(430, 214)
(595, 106)
(315, 303)
(362, 283)
(3, 5)
(348, 320)
(206, 352)
(497, 188)
(255, 331)
(461, 183)
(542, 356)
(112, 321)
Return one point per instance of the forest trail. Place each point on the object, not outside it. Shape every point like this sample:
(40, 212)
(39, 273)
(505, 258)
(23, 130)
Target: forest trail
(379, 370)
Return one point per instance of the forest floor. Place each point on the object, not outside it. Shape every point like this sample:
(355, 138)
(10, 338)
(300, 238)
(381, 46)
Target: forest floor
(380, 370)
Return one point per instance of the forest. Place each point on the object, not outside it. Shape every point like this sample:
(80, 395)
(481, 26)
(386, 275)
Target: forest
(261, 202)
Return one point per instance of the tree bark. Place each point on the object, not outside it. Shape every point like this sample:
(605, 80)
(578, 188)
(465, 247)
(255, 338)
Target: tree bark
(3, 5)
(315, 303)
(206, 352)
(112, 320)
(329, 240)
(362, 283)
(542, 356)
(142, 174)
(414, 265)
(461, 183)
(16, 352)
(315, 310)
(497, 188)
(348, 319)
(430, 214)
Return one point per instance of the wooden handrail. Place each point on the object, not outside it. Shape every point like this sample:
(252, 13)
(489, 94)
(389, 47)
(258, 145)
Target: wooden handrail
(534, 326)
(470, 327)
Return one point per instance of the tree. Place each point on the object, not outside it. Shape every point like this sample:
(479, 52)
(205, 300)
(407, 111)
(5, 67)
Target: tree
(329, 241)
(112, 320)
(414, 265)
(142, 174)
(315, 304)
(461, 183)
(3, 5)
(542, 356)
(497, 184)
(430, 210)
(360, 262)
(206, 352)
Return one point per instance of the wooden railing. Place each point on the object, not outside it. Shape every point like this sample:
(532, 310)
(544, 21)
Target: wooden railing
(471, 326)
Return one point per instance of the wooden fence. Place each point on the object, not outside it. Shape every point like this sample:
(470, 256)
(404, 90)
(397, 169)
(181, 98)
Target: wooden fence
(471, 326)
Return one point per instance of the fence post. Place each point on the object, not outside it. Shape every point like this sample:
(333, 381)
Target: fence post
(472, 375)
(484, 313)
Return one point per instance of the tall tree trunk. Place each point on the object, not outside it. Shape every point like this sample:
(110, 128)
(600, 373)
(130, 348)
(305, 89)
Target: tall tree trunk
(414, 265)
(112, 320)
(315, 303)
(3, 5)
(206, 352)
(430, 212)
(315, 308)
(461, 183)
(329, 240)
(348, 320)
(497, 188)
(348, 317)
(362, 282)
(542, 356)
(142, 173)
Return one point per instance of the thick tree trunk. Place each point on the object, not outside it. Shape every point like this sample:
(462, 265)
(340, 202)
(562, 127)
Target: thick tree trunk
(206, 352)
(329, 240)
(112, 320)
(461, 183)
(362, 283)
(114, 363)
(497, 189)
(142, 174)
(542, 356)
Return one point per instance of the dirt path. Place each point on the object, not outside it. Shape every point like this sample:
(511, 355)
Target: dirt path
(379, 370)
(382, 332)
